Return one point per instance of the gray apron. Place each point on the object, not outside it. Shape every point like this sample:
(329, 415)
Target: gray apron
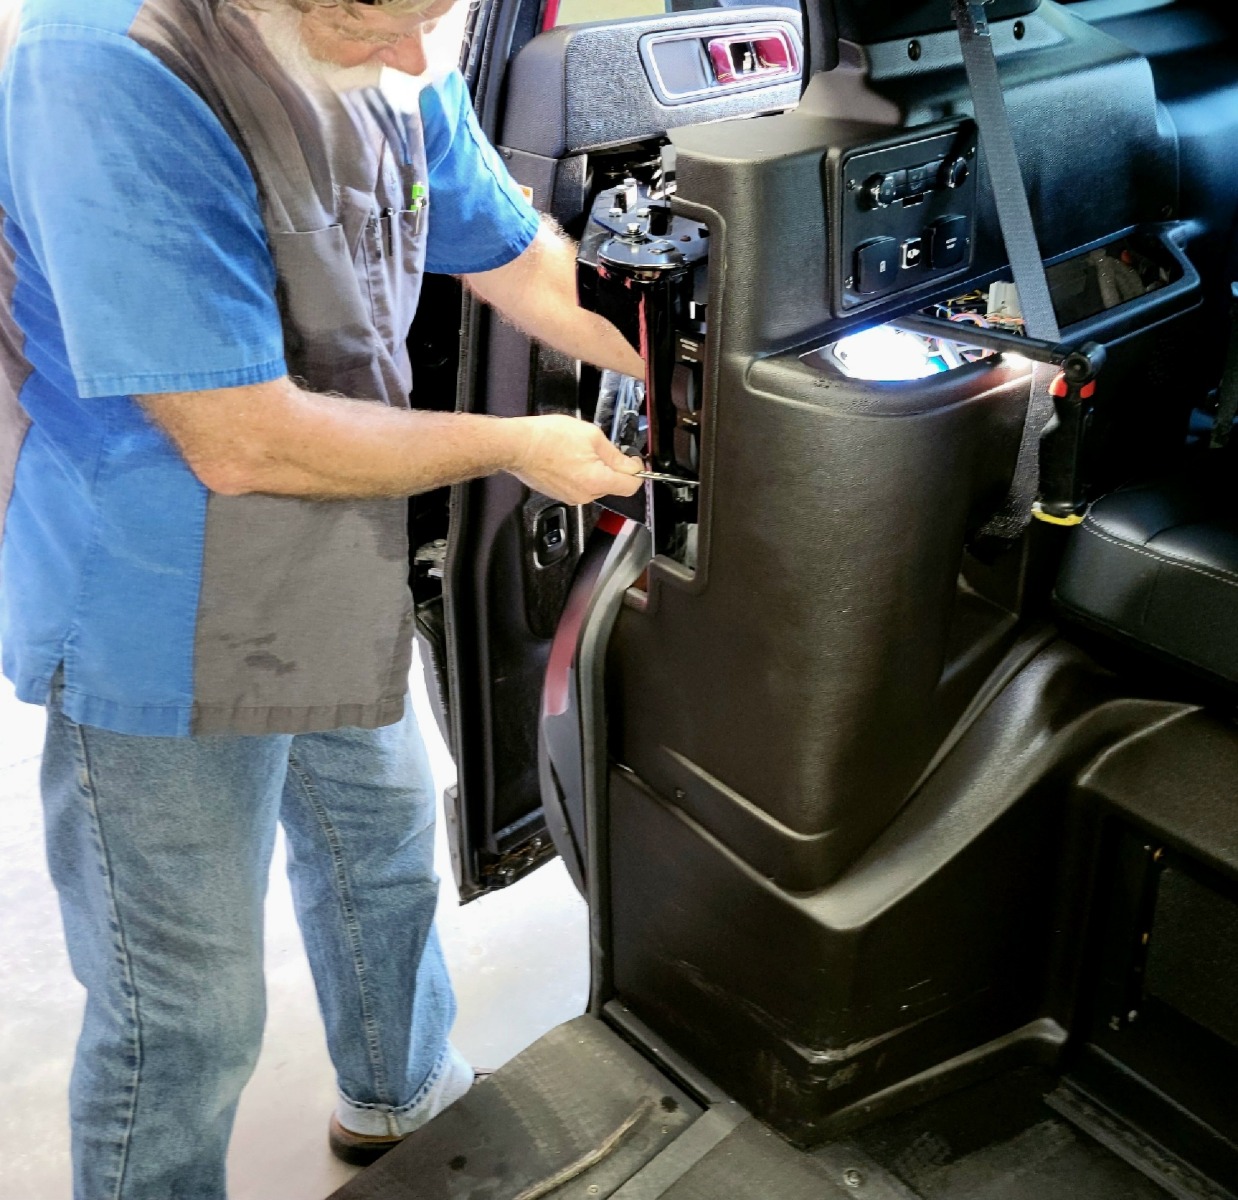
(305, 618)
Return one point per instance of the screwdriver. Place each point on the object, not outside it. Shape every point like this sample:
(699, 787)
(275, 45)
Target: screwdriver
(675, 480)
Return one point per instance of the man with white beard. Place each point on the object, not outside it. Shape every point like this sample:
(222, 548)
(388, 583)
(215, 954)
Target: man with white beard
(214, 233)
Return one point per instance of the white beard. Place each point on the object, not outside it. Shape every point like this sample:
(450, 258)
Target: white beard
(281, 30)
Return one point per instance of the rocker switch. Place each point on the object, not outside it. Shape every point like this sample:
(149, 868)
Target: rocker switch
(947, 242)
(553, 543)
(877, 265)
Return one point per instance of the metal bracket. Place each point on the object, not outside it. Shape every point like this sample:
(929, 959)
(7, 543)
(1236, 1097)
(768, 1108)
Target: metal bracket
(972, 18)
(509, 867)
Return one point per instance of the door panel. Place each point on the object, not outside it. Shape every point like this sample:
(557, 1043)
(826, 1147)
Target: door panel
(582, 88)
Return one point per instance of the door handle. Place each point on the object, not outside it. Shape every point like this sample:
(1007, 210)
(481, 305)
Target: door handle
(744, 57)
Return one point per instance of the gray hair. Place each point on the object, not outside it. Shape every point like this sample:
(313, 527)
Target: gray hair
(395, 7)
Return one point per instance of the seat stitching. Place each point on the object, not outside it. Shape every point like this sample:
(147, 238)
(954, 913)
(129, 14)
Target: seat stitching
(1210, 573)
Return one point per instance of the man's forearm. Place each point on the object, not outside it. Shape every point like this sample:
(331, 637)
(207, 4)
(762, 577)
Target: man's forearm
(583, 335)
(537, 293)
(278, 439)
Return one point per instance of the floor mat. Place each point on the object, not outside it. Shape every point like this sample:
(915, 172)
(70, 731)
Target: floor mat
(755, 1164)
(1000, 1141)
(575, 1115)
(581, 1115)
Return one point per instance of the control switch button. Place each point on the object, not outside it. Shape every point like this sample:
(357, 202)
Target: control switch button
(553, 543)
(877, 265)
(884, 190)
(947, 242)
(955, 173)
(920, 179)
(912, 253)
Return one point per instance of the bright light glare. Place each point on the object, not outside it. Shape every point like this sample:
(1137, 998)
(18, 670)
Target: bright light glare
(887, 355)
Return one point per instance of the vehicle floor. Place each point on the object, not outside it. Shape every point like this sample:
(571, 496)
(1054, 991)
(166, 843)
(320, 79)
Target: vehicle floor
(582, 1116)
(1000, 1140)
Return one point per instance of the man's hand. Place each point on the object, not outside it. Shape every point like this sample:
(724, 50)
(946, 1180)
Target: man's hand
(573, 461)
(537, 293)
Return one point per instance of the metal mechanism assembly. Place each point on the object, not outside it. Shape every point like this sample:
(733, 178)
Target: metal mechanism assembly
(641, 265)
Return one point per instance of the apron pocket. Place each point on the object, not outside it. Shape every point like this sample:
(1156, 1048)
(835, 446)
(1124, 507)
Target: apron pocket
(328, 324)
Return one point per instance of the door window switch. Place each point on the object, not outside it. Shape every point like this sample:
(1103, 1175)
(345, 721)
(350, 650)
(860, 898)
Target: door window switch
(553, 543)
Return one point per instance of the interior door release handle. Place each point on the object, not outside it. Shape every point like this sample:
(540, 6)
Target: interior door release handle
(748, 56)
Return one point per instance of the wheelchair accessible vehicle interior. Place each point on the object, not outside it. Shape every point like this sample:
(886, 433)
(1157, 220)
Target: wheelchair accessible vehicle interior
(891, 739)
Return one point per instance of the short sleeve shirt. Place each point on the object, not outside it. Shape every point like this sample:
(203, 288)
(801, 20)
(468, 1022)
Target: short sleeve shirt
(134, 260)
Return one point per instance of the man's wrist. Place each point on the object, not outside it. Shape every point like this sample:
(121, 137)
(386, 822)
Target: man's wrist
(515, 443)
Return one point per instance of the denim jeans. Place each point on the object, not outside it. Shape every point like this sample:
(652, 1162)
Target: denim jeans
(160, 850)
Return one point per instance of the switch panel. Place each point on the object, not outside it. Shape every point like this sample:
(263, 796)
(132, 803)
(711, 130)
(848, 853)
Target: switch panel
(907, 218)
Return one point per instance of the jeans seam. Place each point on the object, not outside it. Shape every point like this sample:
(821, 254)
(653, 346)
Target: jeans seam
(422, 1092)
(128, 987)
(352, 924)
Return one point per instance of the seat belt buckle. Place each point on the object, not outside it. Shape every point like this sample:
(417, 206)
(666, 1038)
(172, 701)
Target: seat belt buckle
(1063, 500)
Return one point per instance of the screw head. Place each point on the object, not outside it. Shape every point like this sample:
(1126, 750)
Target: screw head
(593, 1189)
(853, 1178)
(1115, 1023)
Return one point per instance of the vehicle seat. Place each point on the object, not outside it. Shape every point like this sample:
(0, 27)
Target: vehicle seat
(1157, 565)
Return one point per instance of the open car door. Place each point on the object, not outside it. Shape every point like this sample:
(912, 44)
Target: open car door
(573, 109)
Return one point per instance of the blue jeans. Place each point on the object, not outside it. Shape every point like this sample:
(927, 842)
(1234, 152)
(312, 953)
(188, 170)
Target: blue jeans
(160, 850)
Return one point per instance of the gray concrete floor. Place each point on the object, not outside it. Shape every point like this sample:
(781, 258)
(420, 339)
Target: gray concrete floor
(519, 960)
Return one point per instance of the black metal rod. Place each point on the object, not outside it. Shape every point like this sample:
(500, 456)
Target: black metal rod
(987, 339)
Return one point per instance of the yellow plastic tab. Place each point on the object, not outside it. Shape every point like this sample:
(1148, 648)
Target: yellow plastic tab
(1049, 519)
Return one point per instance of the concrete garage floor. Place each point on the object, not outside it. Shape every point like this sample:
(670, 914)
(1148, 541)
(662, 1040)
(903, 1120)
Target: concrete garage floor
(519, 959)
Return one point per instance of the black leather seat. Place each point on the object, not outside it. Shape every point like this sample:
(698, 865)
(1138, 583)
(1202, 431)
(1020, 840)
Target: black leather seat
(1158, 565)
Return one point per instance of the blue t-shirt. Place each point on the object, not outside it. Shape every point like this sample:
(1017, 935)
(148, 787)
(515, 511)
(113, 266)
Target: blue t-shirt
(134, 260)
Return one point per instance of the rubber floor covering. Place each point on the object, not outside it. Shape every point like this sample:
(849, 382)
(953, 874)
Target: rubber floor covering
(581, 1115)
(575, 1115)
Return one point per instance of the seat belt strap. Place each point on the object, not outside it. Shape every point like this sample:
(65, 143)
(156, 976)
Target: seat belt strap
(1009, 193)
(1014, 214)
